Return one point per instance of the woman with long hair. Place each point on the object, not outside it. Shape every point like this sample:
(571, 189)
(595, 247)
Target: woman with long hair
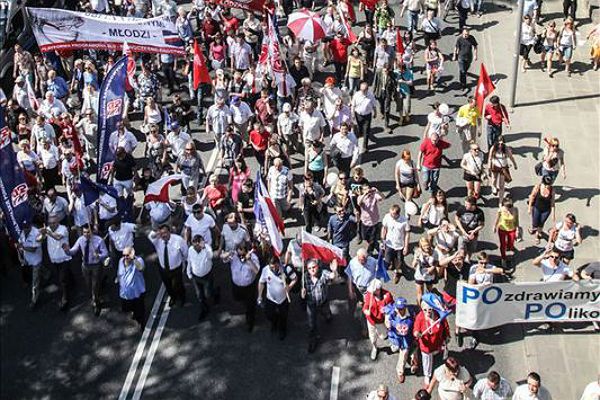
(499, 156)
(434, 60)
(541, 206)
(407, 177)
(425, 264)
(435, 210)
(507, 226)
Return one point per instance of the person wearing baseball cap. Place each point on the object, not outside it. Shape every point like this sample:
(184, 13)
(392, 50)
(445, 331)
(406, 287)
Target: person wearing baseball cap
(399, 322)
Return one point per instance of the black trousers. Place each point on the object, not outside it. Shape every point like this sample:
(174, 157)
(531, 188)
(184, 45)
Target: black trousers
(343, 164)
(169, 73)
(173, 281)
(363, 125)
(277, 314)
(569, 8)
(65, 277)
(204, 288)
(463, 67)
(312, 217)
(92, 274)
(246, 295)
(137, 307)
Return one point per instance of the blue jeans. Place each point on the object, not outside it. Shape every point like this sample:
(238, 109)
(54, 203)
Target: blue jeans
(478, 5)
(493, 133)
(430, 178)
(413, 20)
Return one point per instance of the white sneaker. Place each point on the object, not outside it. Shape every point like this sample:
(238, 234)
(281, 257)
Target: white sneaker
(374, 352)
(394, 348)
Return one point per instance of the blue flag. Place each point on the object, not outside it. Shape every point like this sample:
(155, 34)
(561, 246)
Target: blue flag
(13, 189)
(91, 190)
(435, 302)
(110, 113)
(257, 189)
(381, 271)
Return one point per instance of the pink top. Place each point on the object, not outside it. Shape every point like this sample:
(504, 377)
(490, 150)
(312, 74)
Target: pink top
(217, 51)
(369, 208)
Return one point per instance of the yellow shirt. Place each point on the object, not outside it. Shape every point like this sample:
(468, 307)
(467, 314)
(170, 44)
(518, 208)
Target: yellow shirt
(506, 221)
(469, 113)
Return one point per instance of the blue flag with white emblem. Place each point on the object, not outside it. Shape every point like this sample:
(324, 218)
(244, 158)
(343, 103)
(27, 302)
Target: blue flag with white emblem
(110, 113)
(381, 271)
(13, 189)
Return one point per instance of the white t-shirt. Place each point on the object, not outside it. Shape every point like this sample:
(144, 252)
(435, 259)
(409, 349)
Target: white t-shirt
(55, 250)
(473, 163)
(201, 227)
(123, 237)
(522, 393)
(233, 238)
(566, 238)
(275, 283)
(396, 231)
(554, 274)
(32, 258)
(312, 124)
(449, 388)
(111, 203)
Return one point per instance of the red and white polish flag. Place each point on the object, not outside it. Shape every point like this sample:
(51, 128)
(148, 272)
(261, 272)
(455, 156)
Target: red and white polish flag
(159, 190)
(314, 247)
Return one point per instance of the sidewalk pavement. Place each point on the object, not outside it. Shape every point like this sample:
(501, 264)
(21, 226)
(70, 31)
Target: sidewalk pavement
(567, 108)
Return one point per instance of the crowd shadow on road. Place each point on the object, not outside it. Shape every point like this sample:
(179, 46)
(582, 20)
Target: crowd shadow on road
(558, 100)
(566, 192)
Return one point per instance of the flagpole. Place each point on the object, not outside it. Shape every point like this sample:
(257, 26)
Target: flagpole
(515, 72)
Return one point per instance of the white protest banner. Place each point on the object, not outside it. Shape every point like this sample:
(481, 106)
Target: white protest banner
(56, 29)
(487, 306)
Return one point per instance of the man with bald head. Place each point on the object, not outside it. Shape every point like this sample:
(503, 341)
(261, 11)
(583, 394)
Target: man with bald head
(279, 184)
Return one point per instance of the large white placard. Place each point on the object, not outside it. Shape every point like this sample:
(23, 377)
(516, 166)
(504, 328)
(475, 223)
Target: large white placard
(56, 29)
(487, 306)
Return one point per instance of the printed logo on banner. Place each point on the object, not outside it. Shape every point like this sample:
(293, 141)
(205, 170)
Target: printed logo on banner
(18, 195)
(114, 107)
(4, 137)
(105, 172)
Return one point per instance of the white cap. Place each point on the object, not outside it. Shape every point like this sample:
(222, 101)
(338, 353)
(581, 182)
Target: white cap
(444, 109)
(374, 285)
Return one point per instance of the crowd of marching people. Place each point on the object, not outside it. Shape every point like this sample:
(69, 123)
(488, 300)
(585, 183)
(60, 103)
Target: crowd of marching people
(264, 115)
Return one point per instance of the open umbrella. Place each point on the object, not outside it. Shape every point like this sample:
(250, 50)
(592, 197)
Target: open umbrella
(306, 25)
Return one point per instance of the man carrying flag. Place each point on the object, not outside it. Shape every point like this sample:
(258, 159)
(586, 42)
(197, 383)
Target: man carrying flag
(267, 216)
(484, 88)
(157, 201)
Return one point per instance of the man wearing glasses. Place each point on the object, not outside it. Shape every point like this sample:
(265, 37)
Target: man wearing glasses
(341, 229)
(553, 269)
(199, 223)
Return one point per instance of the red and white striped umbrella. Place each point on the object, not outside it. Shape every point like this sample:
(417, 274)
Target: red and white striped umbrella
(306, 25)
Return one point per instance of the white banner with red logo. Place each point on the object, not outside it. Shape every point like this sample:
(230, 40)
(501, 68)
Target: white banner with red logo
(56, 29)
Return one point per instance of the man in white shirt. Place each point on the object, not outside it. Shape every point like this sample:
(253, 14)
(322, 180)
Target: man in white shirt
(176, 140)
(492, 387)
(41, 131)
(275, 278)
(122, 138)
(51, 106)
(31, 250)
(199, 271)
(344, 149)
(244, 266)
(363, 106)
(56, 206)
(199, 223)
(280, 186)
(395, 235)
(218, 118)
(120, 236)
(553, 269)
(241, 113)
(107, 210)
(312, 123)
(532, 390)
(172, 252)
(233, 234)
(159, 212)
(56, 236)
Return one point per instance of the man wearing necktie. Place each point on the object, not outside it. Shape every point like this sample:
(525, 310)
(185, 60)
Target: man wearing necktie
(94, 253)
(172, 252)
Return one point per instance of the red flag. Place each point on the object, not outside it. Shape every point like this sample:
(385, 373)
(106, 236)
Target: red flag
(200, 69)
(159, 190)
(130, 81)
(349, 34)
(314, 247)
(484, 88)
(399, 42)
(370, 4)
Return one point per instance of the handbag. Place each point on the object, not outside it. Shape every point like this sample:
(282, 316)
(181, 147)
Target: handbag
(507, 176)
(539, 168)
(538, 46)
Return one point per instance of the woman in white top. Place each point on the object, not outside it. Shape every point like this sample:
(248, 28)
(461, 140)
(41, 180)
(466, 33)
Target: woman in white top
(407, 177)
(527, 40)
(434, 211)
(425, 264)
(152, 114)
(553, 160)
(446, 238)
(498, 158)
(550, 36)
(472, 165)
(192, 197)
(567, 42)
(564, 237)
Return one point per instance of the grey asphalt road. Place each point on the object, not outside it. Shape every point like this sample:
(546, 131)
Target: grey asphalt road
(51, 355)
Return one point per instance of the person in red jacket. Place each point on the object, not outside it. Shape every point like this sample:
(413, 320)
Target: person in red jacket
(338, 48)
(376, 299)
(431, 336)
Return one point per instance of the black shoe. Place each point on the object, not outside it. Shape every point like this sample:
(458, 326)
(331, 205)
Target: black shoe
(460, 340)
(171, 302)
